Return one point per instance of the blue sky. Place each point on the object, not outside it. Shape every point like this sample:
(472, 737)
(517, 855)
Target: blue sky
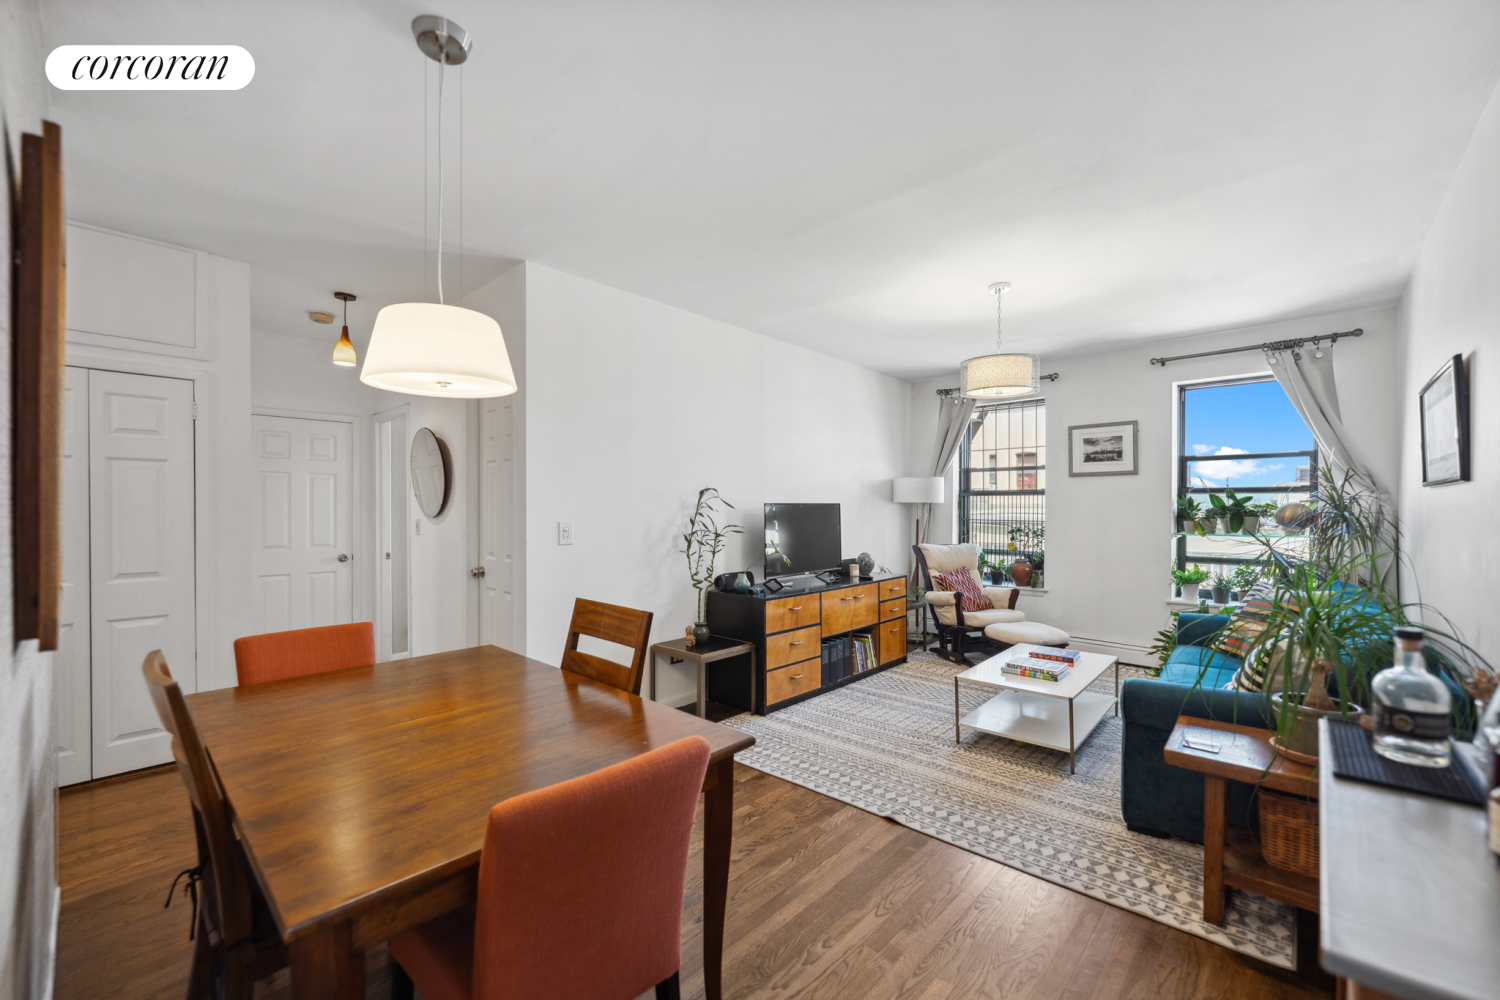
(1243, 419)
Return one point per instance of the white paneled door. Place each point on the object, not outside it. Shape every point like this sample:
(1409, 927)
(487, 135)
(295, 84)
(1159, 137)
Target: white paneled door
(141, 566)
(496, 549)
(70, 664)
(302, 523)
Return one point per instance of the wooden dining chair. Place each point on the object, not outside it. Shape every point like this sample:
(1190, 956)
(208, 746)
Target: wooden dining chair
(580, 891)
(276, 656)
(611, 623)
(235, 935)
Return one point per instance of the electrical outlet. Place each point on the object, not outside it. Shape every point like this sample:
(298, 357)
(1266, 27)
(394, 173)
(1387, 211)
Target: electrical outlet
(564, 532)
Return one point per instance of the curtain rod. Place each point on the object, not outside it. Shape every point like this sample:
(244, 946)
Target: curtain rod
(1273, 345)
(1052, 377)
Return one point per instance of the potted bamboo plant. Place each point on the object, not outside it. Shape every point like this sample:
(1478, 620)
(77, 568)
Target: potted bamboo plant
(703, 542)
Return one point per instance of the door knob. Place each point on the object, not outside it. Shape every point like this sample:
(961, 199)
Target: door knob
(477, 571)
(343, 557)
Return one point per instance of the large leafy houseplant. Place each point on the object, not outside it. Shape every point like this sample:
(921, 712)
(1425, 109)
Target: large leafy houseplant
(704, 541)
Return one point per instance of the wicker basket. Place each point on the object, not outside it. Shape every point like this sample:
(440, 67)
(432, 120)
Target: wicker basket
(1289, 832)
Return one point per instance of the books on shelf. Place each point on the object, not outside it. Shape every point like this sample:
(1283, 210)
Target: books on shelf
(845, 656)
(1041, 670)
(1069, 656)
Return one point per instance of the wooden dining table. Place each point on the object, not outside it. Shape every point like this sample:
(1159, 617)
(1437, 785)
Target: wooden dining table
(362, 795)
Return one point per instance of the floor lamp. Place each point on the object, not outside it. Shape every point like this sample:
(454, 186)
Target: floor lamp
(917, 490)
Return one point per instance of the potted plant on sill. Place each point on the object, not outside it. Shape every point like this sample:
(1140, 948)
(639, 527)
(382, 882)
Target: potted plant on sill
(1242, 580)
(704, 540)
(1187, 580)
(1219, 584)
(1187, 513)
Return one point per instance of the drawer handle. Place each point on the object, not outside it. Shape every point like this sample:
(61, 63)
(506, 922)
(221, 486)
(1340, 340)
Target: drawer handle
(799, 642)
(846, 598)
(798, 677)
(797, 608)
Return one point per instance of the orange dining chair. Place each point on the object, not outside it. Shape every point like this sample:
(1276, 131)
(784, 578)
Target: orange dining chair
(610, 622)
(235, 936)
(580, 891)
(276, 656)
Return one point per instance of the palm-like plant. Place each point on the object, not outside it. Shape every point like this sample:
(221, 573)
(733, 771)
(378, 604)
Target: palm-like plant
(704, 540)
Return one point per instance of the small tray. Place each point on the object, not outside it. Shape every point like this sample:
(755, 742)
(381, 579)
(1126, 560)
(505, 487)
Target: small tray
(1353, 758)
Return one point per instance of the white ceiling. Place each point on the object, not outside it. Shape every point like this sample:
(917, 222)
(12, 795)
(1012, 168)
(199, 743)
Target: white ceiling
(848, 176)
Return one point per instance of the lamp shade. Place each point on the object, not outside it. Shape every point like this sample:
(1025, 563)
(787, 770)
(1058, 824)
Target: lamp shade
(343, 351)
(426, 349)
(917, 489)
(1000, 375)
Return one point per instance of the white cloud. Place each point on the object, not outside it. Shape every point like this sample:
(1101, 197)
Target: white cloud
(1218, 473)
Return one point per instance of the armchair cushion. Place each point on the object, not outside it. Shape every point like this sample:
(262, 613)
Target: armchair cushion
(978, 619)
(1002, 597)
(942, 558)
(966, 585)
(940, 598)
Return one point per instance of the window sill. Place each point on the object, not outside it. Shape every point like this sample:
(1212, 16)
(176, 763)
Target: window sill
(1177, 602)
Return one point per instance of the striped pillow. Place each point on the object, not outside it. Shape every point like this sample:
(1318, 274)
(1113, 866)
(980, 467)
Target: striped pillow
(1250, 618)
(962, 581)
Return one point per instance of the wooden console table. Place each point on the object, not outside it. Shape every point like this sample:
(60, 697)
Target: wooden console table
(1231, 857)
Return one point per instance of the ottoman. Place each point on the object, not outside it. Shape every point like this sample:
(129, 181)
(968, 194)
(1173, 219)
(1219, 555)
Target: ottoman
(1009, 633)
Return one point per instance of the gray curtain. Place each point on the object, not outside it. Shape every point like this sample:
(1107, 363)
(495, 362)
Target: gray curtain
(954, 414)
(1308, 381)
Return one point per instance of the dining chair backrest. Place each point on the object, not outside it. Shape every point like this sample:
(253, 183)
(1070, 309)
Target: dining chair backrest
(612, 623)
(581, 883)
(276, 656)
(227, 892)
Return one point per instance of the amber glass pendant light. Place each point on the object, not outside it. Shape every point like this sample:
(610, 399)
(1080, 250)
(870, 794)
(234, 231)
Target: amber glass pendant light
(343, 351)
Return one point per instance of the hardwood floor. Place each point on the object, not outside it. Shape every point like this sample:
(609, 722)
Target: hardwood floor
(825, 901)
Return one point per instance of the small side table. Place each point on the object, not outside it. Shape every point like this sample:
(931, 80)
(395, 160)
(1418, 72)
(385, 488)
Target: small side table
(1231, 857)
(716, 648)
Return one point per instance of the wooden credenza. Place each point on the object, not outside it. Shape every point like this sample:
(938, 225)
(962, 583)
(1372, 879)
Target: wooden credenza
(789, 629)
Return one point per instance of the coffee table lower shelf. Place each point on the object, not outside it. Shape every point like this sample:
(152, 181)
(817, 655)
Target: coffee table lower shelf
(1055, 723)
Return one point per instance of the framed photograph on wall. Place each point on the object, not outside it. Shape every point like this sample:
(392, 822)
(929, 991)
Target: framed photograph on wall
(1103, 449)
(1444, 406)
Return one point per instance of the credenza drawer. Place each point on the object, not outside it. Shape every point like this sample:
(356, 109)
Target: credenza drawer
(789, 647)
(849, 608)
(890, 641)
(789, 682)
(893, 609)
(791, 612)
(893, 588)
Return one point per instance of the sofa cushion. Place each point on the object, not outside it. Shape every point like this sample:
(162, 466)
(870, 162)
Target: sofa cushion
(1188, 663)
(1194, 629)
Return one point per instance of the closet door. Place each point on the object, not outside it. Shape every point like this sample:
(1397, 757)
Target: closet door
(141, 567)
(496, 539)
(70, 664)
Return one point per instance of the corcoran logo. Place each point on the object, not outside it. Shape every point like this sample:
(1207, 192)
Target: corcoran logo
(150, 67)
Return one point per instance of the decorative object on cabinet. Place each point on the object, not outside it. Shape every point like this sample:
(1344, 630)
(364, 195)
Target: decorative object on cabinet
(866, 564)
(37, 387)
(343, 351)
(998, 375)
(1103, 449)
(431, 468)
(427, 348)
(1444, 406)
(703, 541)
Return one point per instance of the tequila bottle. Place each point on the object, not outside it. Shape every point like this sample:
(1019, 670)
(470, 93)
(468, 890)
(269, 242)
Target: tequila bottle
(1412, 708)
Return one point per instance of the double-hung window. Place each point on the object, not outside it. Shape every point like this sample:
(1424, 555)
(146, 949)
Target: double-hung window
(1242, 435)
(1002, 495)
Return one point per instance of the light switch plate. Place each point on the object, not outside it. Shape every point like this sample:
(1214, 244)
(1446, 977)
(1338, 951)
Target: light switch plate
(564, 532)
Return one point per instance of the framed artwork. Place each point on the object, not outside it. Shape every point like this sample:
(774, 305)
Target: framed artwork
(1444, 406)
(1103, 449)
(36, 390)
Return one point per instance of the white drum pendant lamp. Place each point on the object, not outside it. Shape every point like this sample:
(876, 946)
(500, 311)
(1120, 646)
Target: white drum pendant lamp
(431, 348)
(998, 375)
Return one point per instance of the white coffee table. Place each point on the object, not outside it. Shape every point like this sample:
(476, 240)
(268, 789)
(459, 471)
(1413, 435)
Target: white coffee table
(1055, 714)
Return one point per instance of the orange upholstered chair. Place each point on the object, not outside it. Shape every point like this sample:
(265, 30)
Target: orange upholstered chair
(276, 656)
(580, 891)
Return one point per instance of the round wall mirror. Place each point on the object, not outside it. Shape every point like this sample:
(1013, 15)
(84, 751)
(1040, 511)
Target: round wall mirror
(429, 472)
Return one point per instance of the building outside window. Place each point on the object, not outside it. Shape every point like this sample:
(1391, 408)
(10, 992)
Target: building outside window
(1243, 435)
(1002, 496)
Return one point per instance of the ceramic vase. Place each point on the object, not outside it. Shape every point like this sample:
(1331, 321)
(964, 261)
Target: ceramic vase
(1020, 571)
(700, 633)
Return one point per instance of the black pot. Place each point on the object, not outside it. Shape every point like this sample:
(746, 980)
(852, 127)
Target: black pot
(700, 633)
(1221, 595)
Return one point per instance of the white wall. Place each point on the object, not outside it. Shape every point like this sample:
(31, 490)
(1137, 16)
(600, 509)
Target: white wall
(28, 771)
(633, 406)
(1109, 545)
(1452, 306)
(444, 598)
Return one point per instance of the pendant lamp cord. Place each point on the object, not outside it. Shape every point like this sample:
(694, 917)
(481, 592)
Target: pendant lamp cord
(999, 324)
(442, 62)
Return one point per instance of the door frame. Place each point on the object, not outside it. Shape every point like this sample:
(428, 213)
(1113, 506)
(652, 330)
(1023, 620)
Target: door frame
(382, 626)
(205, 493)
(363, 541)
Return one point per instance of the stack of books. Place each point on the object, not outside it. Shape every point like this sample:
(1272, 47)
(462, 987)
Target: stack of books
(864, 653)
(1043, 664)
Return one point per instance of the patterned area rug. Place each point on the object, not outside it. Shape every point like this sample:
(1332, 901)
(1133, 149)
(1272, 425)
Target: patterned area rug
(886, 746)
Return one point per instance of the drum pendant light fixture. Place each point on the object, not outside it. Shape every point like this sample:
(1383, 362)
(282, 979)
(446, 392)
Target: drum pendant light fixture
(343, 351)
(432, 348)
(998, 375)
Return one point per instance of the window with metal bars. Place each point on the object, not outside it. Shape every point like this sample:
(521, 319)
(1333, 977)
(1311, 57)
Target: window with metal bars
(1002, 495)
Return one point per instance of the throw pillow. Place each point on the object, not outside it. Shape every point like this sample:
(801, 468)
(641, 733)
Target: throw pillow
(1262, 671)
(962, 582)
(1249, 620)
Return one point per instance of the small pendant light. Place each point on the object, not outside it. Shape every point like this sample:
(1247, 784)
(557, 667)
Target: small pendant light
(999, 375)
(343, 351)
(431, 348)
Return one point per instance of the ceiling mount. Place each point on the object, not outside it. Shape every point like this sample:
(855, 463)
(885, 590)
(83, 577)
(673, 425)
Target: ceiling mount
(441, 40)
(344, 296)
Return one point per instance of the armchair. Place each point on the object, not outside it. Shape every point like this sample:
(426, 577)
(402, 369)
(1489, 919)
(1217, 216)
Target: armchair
(957, 628)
